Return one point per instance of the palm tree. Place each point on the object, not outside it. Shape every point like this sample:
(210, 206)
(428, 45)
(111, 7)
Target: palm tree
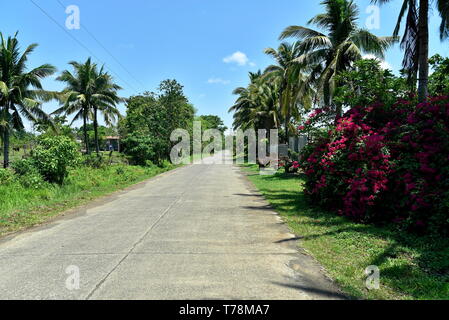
(415, 41)
(328, 54)
(295, 88)
(257, 106)
(21, 92)
(105, 100)
(89, 91)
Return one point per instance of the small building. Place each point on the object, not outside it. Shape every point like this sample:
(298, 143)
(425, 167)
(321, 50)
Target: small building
(112, 143)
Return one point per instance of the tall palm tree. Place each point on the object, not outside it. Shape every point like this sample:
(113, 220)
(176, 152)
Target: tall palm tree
(88, 91)
(105, 100)
(257, 106)
(21, 92)
(337, 50)
(294, 86)
(415, 41)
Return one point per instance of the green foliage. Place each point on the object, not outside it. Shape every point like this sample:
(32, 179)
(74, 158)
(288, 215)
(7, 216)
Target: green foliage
(151, 118)
(21, 90)
(24, 167)
(89, 91)
(28, 174)
(334, 51)
(22, 204)
(54, 156)
(58, 127)
(20, 138)
(368, 83)
(439, 80)
(6, 176)
(32, 180)
(212, 122)
(140, 148)
(94, 161)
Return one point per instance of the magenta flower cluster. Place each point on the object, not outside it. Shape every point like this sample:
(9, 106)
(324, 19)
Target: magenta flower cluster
(384, 163)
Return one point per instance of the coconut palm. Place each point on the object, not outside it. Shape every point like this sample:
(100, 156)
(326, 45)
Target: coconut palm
(105, 100)
(415, 41)
(21, 92)
(257, 106)
(295, 88)
(88, 92)
(336, 50)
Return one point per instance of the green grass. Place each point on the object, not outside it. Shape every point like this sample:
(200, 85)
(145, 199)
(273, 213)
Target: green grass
(22, 207)
(411, 267)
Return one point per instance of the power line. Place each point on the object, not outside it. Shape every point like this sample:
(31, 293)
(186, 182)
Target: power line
(80, 43)
(83, 26)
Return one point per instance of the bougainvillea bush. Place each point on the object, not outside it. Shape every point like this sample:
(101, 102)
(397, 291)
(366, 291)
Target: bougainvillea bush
(384, 163)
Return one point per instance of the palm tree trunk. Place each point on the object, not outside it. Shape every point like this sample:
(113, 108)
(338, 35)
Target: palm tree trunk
(287, 125)
(6, 148)
(86, 140)
(97, 145)
(6, 135)
(423, 50)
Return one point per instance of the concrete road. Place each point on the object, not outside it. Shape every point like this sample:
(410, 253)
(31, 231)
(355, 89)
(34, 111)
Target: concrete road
(199, 232)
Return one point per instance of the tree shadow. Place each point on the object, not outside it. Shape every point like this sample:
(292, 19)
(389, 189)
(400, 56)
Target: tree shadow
(408, 263)
(322, 293)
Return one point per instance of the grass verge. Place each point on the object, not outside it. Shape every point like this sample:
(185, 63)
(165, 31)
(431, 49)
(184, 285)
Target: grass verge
(23, 207)
(411, 267)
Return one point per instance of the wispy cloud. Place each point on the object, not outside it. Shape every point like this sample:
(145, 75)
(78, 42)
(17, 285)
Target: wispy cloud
(239, 58)
(218, 81)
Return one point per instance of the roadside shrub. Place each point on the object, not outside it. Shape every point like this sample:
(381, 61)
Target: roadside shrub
(149, 164)
(24, 167)
(139, 148)
(165, 164)
(54, 156)
(32, 181)
(6, 176)
(385, 163)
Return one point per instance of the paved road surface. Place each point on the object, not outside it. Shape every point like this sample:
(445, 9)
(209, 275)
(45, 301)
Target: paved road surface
(199, 232)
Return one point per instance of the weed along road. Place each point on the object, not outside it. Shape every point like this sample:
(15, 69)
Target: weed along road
(199, 232)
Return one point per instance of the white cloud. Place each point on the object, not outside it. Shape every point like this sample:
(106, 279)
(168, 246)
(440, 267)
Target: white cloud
(383, 64)
(218, 81)
(238, 57)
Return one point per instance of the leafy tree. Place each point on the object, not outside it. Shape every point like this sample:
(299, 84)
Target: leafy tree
(368, 83)
(329, 54)
(415, 41)
(150, 120)
(59, 127)
(212, 122)
(21, 91)
(439, 80)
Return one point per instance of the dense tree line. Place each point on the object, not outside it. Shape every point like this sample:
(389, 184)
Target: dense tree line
(308, 72)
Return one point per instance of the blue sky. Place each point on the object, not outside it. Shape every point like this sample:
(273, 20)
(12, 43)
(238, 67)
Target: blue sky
(207, 45)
